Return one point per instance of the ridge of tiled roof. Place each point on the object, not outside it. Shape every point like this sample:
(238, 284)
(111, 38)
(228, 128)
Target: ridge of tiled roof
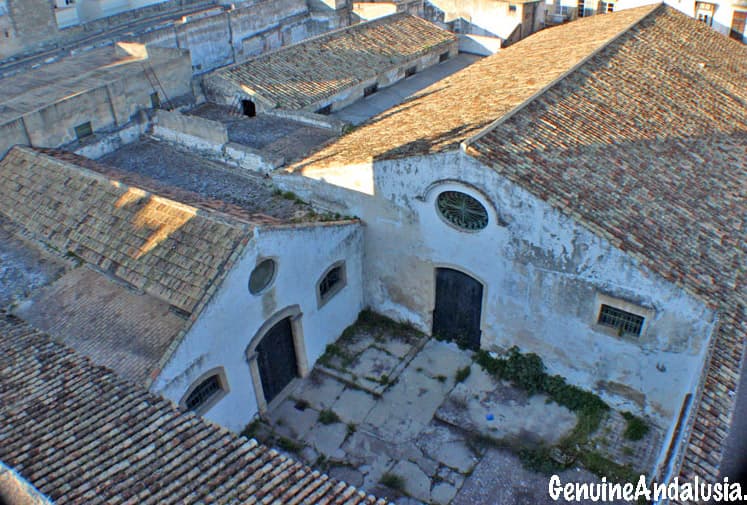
(305, 73)
(646, 145)
(80, 434)
(170, 250)
(221, 209)
(439, 117)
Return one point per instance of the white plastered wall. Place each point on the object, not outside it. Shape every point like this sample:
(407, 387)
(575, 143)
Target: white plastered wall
(224, 330)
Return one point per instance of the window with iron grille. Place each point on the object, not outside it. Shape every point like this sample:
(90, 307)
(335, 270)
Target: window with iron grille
(626, 323)
(332, 282)
(207, 389)
(83, 130)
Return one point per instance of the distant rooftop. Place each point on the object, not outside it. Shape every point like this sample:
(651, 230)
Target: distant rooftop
(281, 138)
(441, 116)
(34, 89)
(300, 75)
(80, 434)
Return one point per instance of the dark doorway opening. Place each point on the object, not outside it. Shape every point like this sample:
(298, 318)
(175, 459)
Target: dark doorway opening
(276, 359)
(248, 108)
(456, 316)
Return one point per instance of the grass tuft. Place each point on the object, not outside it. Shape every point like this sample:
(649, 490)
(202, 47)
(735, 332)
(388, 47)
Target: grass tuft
(393, 481)
(462, 374)
(328, 416)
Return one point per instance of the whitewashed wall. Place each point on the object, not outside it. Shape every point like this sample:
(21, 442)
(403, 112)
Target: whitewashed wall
(223, 331)
(541, 273)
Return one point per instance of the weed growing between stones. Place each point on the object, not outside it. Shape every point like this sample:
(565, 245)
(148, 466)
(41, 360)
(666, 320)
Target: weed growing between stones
(462, 374)
(328, 416)
(393, 481)
(635, 428)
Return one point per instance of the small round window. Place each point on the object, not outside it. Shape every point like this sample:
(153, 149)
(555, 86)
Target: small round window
(262, 276)
(462, 210)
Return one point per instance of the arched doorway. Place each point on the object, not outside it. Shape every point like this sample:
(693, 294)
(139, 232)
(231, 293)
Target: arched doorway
(277, 355)
(276, 359)
(458, 308)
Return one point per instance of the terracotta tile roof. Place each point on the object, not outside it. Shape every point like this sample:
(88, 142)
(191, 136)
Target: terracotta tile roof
(80, 434)
(303, 74)
(647, 145)
(444, 114)
(106, 321)
(170, 250)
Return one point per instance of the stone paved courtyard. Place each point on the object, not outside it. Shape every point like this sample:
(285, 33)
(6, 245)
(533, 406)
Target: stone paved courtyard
(397, 413)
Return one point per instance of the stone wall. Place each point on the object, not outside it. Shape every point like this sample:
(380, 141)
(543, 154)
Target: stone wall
(107, 107)
(190, 131)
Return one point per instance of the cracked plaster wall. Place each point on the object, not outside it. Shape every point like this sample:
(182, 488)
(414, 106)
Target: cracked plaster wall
(542, 273)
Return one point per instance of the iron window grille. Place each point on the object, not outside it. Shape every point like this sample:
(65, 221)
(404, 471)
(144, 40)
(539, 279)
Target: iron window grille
(626, 323)
(462, 210)
(330, 281)
(83, 130)
(204, 392)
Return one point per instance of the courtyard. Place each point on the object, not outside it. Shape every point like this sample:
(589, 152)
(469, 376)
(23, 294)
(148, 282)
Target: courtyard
(418, 420)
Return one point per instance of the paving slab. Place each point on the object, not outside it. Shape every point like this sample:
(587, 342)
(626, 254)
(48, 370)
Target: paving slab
(442, 493)
(479, 380)
(396, 347)
(501, 479)
(353, 405)
(408, 406)
(416, 483)
(374, 363)
(291, 422)
(514, 414)
(320, 390)
(440, 358)
(327, 439)
(347, 474)
(447, 446)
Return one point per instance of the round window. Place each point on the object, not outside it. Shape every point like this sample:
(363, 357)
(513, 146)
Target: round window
(462, 210)
(262, 276)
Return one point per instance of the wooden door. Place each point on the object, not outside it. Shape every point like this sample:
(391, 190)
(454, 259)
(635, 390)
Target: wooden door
(276, 359)
(458, 308)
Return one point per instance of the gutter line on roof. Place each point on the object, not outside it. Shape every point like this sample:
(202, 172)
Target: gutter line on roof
(465, 144)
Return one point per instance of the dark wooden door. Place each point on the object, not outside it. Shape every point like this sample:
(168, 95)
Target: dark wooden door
(276, 358)
(458, 308)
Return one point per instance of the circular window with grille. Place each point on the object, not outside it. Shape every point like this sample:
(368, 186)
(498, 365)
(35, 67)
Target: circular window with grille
(262, 276)
(462, 210)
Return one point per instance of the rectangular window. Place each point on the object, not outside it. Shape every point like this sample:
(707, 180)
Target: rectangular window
(409, 72)
(370, 90)
(511, 8)
(738, 23)
(83, 130)
(610, 7)
(443, 57)
(627, 323)
(155, 100)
